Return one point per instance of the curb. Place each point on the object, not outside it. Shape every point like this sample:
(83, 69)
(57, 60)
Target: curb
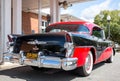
(8, 64)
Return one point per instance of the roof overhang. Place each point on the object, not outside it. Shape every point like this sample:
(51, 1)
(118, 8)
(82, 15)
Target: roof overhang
(33, 4)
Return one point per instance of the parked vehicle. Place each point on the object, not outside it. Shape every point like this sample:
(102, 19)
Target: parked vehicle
(66, 45)
(117, 47)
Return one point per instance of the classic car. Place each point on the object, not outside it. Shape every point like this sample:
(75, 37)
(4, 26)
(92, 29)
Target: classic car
(68, 46)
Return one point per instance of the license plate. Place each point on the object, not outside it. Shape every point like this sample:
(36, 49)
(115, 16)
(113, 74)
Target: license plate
(32, 55)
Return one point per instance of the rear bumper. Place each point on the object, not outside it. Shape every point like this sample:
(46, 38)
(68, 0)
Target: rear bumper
(45, 61)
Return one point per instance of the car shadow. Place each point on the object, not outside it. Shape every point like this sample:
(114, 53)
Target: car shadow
(98, 65)
(28, 74)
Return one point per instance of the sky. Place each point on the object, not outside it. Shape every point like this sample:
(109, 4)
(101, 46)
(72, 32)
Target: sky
(88, 10)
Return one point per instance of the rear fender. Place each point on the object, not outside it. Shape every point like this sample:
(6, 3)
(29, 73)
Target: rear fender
(81, 53)
(12, 37)
(11, 41)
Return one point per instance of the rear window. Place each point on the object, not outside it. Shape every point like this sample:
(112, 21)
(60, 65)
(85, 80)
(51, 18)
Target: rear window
(67, 28)
(83, 28)
(62, 27)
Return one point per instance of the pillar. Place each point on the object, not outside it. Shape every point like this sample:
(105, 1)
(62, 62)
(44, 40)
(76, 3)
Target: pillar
(5, 25)
(17, 16)
(39, 16)
(54, 11)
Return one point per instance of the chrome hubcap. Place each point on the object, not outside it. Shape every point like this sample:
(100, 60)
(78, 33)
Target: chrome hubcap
(89, 63)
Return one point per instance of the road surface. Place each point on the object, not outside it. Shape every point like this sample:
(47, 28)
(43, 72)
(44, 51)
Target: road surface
(101, 72)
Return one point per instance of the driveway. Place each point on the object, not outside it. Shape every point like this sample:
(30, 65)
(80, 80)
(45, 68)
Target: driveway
(101, 72)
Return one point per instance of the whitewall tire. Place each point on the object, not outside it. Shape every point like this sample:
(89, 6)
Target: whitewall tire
(88, 66)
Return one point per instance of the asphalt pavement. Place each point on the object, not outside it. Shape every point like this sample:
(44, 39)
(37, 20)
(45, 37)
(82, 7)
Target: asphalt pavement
(101, 72)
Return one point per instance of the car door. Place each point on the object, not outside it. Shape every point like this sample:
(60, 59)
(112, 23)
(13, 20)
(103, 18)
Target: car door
(100, 42)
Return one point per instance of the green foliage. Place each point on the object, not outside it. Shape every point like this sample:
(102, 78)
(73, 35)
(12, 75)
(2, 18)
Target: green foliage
(101, 20)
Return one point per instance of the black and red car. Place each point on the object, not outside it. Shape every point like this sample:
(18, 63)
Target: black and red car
(65, 45)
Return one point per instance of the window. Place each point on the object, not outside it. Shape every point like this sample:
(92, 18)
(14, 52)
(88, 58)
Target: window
(42, 23)
(46, 24)
(83, 28)
(69, 28)
(97, 32)
(63, 27)
(58, 30)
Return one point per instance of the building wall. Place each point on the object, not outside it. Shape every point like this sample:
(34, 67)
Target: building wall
(30, 22)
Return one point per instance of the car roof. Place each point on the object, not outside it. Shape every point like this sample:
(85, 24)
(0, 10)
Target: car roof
(89, 25)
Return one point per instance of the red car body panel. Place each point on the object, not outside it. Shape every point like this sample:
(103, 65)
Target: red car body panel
(81, 53)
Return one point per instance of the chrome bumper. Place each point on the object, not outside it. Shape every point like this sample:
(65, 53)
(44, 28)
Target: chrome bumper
(44, 61)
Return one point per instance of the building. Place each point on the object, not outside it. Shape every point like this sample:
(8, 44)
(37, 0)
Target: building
(68, 17)
(30, 21)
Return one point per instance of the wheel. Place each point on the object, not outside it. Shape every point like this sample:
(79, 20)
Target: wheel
(111, 59)
(88, 66)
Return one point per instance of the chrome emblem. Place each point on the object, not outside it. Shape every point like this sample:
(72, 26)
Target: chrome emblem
(36, 42)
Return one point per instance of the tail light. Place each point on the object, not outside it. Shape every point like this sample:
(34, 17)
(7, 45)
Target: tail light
(69, 45)
(69, 49)
(68, 38)
(10, 41)
(10, 38)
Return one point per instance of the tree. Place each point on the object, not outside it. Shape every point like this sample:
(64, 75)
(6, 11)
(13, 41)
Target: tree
(101, 20)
